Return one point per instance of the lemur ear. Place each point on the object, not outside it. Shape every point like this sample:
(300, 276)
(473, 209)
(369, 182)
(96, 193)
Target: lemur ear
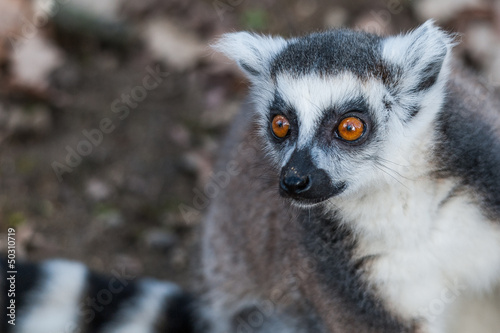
(252, 52)
(420, 55)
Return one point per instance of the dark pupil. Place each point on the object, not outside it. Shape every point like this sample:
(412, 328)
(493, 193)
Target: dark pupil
(280, 123)
(350, 127)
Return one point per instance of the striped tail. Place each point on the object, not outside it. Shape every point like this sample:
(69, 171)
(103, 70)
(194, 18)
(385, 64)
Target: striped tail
(59, 296)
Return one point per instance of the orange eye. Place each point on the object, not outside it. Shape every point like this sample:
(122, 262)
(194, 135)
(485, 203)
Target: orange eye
(351, 128)
(281, 126)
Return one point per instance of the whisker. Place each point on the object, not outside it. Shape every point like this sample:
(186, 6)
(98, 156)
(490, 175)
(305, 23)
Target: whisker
(389, 161)
(390, 175)
(392, 170)
(378, 159)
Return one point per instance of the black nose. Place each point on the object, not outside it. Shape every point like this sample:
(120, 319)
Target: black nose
(293, 184)
(302, 181)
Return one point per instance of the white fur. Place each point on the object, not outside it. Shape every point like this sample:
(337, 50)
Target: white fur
(417, 48)
(55, 307)
(145, 310)
(254, 50)
(423, 249)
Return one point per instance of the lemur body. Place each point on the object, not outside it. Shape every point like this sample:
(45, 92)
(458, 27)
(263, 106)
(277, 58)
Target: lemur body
(366, 197)
(374, 232)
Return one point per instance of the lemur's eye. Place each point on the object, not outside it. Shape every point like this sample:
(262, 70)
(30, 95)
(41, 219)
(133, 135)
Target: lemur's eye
(281, 126)
(351, 128)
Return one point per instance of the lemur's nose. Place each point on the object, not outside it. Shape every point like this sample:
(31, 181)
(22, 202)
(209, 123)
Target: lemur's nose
(297, 176)
(293, 183)
(302, 181)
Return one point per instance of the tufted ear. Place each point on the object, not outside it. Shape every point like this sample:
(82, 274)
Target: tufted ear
(252, 52)
(420, 55)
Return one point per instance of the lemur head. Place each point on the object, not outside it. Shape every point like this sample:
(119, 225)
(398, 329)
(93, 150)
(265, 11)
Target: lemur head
(336, 107)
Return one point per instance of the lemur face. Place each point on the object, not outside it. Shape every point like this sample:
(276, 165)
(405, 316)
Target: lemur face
(340, 111)
(333, 132)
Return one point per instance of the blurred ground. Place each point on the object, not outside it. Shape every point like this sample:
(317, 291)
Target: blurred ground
(111, 112)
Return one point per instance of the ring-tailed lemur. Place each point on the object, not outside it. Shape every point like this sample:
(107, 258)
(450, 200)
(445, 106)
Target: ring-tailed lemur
(387, 162)
(362, 193)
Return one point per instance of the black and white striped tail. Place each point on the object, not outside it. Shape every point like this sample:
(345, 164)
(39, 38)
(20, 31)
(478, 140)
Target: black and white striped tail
(60, 296)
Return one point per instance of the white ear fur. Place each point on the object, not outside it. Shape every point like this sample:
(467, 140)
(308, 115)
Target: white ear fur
(252, 52)
(422, 55)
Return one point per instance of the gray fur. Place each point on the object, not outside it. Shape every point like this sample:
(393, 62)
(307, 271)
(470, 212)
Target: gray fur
(330, 53)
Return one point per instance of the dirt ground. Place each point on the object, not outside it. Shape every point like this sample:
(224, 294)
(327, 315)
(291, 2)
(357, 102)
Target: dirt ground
(111, 113)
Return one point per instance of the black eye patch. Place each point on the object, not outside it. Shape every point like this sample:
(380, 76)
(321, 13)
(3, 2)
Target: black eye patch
(357, 105)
